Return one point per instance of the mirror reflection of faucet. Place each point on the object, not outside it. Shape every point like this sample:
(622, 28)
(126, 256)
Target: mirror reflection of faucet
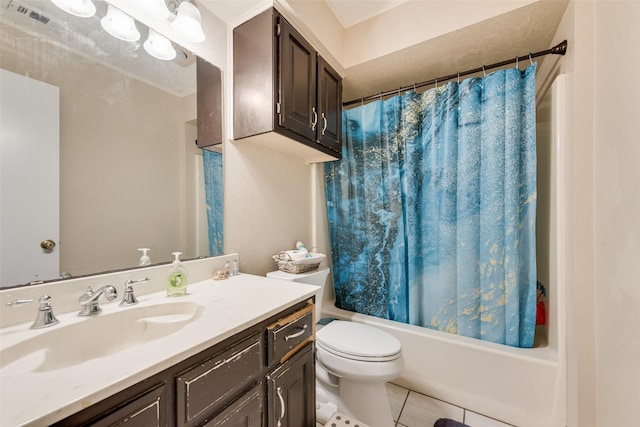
(90, 300)
(45, 317)
(129, 298)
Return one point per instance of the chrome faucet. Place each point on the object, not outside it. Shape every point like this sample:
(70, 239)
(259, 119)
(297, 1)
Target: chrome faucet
(129, 298)
(90, 300)
(45, 317)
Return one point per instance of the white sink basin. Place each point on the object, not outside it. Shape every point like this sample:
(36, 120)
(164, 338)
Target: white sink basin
(97, 336)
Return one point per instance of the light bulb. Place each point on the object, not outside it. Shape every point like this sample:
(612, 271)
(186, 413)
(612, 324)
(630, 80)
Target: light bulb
(159, 46)
(188, 22)
(156, 8)
(81, 8)
(120, 25)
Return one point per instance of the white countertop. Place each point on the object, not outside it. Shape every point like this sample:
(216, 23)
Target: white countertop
(230, 306)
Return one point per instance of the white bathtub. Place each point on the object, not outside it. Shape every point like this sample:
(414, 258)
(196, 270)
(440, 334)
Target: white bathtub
(523, 387)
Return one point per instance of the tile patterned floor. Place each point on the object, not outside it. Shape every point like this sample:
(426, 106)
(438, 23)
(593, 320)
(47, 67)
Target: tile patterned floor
(412, 409)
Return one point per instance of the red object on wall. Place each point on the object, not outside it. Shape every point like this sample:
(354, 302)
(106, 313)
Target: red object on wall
(541, 314)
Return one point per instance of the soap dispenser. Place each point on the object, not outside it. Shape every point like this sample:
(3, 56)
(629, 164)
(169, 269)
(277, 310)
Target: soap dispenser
(177, 280)
(144, 259)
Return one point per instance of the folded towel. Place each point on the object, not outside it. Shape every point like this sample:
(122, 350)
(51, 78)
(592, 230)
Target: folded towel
(446, 422)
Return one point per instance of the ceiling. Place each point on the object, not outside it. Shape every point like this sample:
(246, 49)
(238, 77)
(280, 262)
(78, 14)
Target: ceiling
(527, 29)
(351, 12)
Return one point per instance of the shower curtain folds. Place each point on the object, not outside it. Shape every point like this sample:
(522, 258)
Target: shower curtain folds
(213, 187)
(432, 208)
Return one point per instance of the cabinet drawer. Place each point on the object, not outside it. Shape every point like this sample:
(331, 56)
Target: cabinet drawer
(289, 334)
(202, 390)
(144, 411)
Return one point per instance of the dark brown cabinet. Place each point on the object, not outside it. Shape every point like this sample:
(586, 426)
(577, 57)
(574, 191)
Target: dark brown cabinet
(292, 391)
(282, 86)
(245, 412)
(207, 387)
(258, 377)
(329, 106)
(209, 104)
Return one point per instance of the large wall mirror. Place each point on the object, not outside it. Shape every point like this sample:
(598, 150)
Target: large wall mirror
(98, 148)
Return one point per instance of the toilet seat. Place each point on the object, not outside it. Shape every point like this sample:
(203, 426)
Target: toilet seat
(357, 341)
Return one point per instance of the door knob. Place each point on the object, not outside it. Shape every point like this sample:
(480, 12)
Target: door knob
(47, 244)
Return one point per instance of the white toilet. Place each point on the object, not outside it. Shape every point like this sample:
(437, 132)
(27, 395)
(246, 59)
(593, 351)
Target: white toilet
(353, 363)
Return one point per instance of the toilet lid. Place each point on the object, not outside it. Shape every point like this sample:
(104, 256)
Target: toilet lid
(357, 340)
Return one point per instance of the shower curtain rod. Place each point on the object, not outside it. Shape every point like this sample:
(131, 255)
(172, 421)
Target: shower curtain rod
(559, 49)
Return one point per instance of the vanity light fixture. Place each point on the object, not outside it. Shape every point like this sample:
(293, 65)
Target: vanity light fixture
(156, 8)
(183, 15)
(188, 22)
(159, 46)
(81, 8)
(120, 25)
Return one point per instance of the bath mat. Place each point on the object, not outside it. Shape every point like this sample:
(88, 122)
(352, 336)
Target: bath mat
(341, 420)
(446, 422)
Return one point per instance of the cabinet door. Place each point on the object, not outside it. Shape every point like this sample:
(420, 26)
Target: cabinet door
(209, 103)
(297, 82)
(291, 392)
(244, 412)
(329, 106)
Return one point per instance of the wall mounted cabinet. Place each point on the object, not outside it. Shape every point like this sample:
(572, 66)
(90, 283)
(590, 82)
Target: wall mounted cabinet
(209, 104)
(285, 96)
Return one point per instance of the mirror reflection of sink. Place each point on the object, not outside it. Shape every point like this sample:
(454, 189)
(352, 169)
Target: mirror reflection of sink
(98, 336)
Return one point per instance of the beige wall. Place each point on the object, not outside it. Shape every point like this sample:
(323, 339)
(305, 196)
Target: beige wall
(119, 177)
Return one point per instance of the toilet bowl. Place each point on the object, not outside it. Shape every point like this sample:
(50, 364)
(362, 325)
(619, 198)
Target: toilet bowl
(353, 363)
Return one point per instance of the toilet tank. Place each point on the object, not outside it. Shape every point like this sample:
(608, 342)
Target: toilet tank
(317, 278)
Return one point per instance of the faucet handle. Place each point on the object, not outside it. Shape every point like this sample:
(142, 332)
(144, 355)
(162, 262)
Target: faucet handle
(45, 317)
(129, 298)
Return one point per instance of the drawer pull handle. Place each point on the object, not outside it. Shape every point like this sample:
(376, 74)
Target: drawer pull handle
(282, 407)
(297, 334)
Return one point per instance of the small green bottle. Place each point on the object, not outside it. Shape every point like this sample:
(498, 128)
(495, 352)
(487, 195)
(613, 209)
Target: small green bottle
(177, 280)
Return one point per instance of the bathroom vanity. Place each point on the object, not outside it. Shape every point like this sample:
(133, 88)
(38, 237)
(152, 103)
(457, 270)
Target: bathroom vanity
(231, 352)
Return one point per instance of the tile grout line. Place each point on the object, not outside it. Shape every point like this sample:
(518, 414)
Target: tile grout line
(406, 397)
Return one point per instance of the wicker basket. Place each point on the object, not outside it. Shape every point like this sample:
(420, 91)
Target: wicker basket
(305, 265)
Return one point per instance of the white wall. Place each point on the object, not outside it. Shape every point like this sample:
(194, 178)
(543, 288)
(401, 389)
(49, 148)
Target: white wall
(603, 308)
(576, 27)
(616, 218)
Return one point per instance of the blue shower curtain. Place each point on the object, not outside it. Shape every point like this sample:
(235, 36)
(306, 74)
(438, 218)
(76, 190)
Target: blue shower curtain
(213, 187)
(432, 208)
